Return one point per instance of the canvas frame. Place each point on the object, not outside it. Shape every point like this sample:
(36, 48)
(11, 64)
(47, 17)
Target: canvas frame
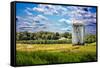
(13, 30)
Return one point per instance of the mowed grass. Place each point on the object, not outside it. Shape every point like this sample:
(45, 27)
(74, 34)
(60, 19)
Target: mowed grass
(32, 54)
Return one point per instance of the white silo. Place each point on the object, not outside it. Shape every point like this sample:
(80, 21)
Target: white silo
(78, 33)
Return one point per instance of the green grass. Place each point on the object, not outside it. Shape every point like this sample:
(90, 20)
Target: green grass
(65, 41)
(54, 53)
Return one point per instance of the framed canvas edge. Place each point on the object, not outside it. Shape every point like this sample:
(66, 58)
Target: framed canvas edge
(13, 32)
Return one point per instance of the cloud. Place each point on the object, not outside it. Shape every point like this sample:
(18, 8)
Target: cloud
(40, 17)
(28, 8)
(27, 23)
(38, 9)
(50, 9)
(67, 29)
(22, 24)
(43, 19)
(28, 13)
(59, 10)
(66, 21)
(67, 25)
(73, 12)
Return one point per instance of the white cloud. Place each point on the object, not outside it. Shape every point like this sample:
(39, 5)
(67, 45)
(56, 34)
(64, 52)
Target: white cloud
(28, 23)
(50, 9)
(38, 9)
(64, 29)
(27, 8)
(73, 12)
(68, 13)
(65, 21)
(28, 13)
(42, 17)
(69, 28)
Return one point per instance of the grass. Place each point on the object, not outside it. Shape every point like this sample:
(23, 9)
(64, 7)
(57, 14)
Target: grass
(65, 41)
(30, 54)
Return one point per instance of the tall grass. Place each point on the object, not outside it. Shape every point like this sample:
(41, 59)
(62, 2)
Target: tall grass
(58, 53)
(38, 57)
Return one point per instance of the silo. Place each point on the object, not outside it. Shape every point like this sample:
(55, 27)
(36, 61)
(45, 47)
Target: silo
(78, 33)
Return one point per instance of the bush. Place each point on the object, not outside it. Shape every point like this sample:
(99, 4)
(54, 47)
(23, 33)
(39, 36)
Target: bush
(90, 38)
(44, 41)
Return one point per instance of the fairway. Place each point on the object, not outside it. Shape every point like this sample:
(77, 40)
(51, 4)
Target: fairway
(54, 53)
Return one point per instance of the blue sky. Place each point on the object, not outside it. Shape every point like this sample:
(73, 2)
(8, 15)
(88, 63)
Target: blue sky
(53, 18)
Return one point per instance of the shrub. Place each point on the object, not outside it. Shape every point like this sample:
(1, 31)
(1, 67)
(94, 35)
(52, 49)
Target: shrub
(44, 41)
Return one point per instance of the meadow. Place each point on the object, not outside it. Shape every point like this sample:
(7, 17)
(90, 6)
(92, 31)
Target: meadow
(33, 54)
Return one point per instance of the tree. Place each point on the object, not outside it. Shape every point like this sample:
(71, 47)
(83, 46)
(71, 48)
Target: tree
(66, 34)
(90, 38)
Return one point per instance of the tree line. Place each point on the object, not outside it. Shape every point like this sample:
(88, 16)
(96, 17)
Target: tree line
(49, 37)
(42, 35)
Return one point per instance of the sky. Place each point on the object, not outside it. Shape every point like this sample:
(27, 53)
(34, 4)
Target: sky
(53, 18)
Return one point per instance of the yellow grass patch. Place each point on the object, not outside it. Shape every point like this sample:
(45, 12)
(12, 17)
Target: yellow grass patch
(56, 47)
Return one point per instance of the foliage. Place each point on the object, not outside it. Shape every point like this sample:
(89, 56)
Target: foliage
(67, 35)
(41, 35)
(44, 41)
(49, 37)
(90, 38)
(61, 53)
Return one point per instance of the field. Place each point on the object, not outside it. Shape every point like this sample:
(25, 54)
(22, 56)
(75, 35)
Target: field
(55, 34)
(32, 54)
